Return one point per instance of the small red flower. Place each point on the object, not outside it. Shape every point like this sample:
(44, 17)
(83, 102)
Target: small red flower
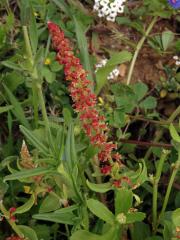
(106, 169)
(11, 212)
(117, 183)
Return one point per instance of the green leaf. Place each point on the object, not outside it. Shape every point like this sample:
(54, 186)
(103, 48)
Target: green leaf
(63, 6)
(118, 58)
(82, 234)
(50, 203)
(135, 217)
(28, 232)
(121, 205)
(155, 238)
(11, 65)
(28, 173)
(168, 230)
(149, 103)
(176, 217)
(174, 133)
(83, 47)
(102, 73)
(100, 210)
(167, 39)
(34, 140)
(5, 108)
(70, 152)
(33, 32)
(65, 218)
(140, 235)
(26, 206)
(17, 109)
(140, 90)
(67, 116)
(3, 188)
(101, 188)
(101, 77)
(48, 75)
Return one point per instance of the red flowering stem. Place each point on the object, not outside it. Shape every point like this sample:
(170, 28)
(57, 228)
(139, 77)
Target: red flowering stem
(84, 99)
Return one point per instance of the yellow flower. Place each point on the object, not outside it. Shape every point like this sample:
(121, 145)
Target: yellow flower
(47, 61)
(163, 93)
(36, 14)
(101, 101)
(27, 190)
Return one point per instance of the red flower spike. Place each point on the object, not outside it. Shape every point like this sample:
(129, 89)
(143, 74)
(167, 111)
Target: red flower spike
(84, 99)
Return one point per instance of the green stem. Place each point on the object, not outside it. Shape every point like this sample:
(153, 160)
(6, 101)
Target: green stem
(138, 48)
(160, 132)
(155, 186)
(176, 168)
(33, 73)
(12, 223)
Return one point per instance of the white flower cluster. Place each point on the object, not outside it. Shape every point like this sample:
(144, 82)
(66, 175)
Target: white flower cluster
(112, 75)
(177, 59)
(109, 8)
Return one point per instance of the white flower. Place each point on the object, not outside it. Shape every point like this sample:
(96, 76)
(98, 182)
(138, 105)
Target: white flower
(108, 8)
(175, 57)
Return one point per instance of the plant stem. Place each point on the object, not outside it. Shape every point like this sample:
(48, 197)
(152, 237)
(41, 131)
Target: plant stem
(160, 132)
(155, 186)
(33, 73)
(138, 48)
(12, 223)
(176, 168)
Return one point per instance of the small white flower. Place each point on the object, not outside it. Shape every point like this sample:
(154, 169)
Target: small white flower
(175, 57)
(109, 8)
(177, 63)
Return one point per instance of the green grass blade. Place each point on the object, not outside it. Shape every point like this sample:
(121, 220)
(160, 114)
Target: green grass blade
(17, 110)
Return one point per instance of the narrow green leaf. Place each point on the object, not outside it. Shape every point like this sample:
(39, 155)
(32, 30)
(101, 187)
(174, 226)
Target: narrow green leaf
(100, 210)
(101, 188)
(11, 65)
(65, 218)
(27, 173)
(28, 232)
(174, 133)
(26, 206)
(63, 6)
(5, 108)
(70, 152)
(33, 32)
(83, 47)
(34, 140)
(17, 110)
